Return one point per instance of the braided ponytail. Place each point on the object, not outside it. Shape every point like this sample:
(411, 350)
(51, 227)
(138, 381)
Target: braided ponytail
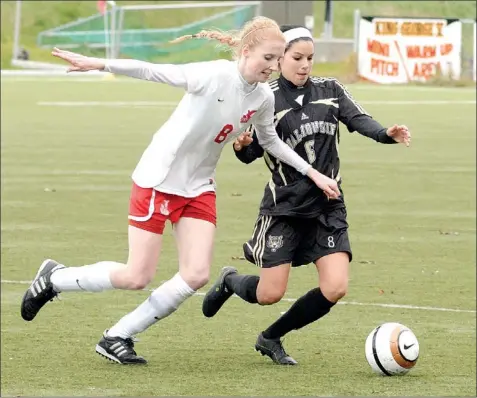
(253, 32)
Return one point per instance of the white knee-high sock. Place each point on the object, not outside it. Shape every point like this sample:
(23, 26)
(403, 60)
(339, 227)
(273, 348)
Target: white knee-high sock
(161, 303)
(90, 278)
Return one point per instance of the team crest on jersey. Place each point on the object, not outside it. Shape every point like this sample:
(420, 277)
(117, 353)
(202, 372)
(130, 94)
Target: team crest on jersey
(164, 209)
(274, 242)
(245, 118)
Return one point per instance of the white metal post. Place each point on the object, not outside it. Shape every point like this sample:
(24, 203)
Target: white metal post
(119, 31)
(112, 32)
(112, 52)
(474, 68)
(357, 19)
(259, 9)
(106, 35)
(16, 31)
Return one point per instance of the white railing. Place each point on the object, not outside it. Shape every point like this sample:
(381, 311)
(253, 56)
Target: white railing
(114, 22)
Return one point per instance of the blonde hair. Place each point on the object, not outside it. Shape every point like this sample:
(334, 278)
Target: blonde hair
(253, 32)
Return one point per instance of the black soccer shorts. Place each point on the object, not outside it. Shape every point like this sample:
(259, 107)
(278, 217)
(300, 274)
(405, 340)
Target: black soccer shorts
(280, 240)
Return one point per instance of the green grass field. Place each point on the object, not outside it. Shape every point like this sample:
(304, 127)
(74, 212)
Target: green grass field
(65, 189)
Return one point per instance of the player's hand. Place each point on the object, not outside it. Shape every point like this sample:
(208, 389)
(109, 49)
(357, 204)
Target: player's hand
(243, 140)
(329, 186)
(78, 62)
(400, 134)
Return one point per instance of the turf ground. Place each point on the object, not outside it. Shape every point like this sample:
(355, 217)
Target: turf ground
(68, 149)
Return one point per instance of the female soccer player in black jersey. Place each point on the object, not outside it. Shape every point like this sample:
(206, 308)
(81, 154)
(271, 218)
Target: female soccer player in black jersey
(298, 224)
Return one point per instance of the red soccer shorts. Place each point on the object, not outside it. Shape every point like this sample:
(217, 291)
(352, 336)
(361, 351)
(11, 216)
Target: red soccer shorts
(150, 209)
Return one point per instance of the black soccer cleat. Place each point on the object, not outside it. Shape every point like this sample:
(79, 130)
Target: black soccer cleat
(119, 350)
(273, 348)
(40, 291)
(218, 294)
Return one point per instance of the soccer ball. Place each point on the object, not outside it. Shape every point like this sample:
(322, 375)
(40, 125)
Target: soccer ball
(392, 349)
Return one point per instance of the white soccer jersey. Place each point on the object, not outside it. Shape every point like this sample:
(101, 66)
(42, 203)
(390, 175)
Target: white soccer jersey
(217, 107)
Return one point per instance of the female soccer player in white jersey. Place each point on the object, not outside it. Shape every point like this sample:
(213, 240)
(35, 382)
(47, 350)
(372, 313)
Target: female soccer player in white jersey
(174, 179)
(296, 224)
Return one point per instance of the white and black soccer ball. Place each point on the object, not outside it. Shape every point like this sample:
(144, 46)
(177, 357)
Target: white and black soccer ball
(392, 349)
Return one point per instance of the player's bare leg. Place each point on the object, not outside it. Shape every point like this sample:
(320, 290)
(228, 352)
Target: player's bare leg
(194, 239)
(273, 284)
(333, 271)
(144, 251)
(195, 244)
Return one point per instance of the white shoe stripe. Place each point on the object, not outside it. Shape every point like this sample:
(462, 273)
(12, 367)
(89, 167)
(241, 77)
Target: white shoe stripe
(120, 354)
(115, 345)
(42, 283)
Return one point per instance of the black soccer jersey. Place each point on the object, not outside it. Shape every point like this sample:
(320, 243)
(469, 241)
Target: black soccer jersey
(307, 119)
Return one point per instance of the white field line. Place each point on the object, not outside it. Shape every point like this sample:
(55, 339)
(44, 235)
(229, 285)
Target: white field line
(406, 87)
(291, 300)
(166, 104)
(113, 104)
(108, 79)
(421, 102)
(99, 79)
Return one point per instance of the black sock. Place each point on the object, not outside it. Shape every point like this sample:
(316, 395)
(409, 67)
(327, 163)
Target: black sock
(244, 286)
(307, 309)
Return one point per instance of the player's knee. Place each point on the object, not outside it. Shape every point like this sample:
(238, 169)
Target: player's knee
(340, 292)
(270, 296)
(136, 280)
(335, 291)
(196, 278)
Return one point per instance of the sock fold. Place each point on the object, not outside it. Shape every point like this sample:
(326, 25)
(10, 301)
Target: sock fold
(162, 302)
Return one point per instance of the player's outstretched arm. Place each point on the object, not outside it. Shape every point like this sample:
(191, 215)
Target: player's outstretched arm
(246, 146)
(174, 75)
(368, 127)
(78, 62)
(357, 119)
